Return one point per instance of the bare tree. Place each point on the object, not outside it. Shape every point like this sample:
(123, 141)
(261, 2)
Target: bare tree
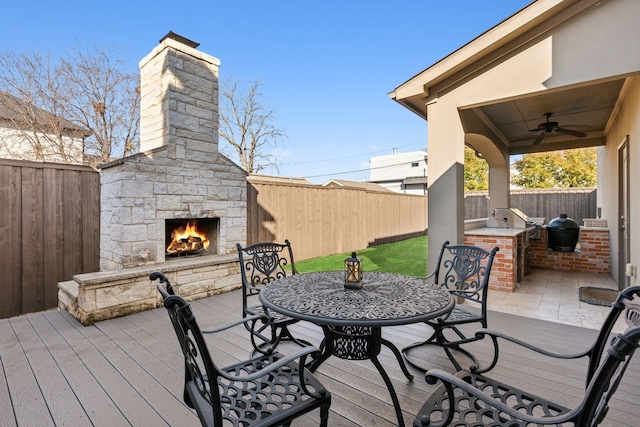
(87, 93)
(247, 127)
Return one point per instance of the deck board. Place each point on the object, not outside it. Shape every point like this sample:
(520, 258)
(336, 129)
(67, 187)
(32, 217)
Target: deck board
(25, 395)
(86, 387)
(58, 395)
(128, 371)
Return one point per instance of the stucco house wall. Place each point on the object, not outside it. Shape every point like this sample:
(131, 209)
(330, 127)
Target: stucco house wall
(625, 128)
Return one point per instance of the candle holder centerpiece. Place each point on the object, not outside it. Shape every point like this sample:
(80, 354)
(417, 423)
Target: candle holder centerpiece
(353, 272)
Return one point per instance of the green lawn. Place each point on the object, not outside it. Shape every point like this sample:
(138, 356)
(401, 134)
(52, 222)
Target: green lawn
(407, 257)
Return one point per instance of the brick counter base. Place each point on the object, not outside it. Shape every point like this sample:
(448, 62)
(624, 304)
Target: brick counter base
(504, 269)
(593, 256)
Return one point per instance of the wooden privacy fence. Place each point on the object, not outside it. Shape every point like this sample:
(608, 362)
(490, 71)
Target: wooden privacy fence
(49, 231)
(327, 220)
(547, 203)
(50, 222)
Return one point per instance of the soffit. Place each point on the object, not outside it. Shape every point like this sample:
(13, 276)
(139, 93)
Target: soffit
(589, 109)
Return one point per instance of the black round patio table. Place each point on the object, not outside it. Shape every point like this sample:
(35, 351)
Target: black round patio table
(352, 319)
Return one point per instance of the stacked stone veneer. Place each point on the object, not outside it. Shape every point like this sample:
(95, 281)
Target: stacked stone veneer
(592, 256)
(504, 268)
(178, 174)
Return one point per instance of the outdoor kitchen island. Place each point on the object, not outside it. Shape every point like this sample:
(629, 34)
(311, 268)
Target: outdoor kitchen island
(512, 231)
(509, 260)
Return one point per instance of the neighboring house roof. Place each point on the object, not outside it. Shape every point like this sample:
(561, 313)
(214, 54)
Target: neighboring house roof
(11, 109)
(415, 180)
(282, 179)
(370, 186)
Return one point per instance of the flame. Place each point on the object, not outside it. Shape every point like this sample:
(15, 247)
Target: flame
(188, 239)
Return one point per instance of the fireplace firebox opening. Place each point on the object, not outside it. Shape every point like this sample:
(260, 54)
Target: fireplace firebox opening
(191, 237)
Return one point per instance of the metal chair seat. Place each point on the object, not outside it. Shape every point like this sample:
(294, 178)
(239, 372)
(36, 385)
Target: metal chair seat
(278, 318)
(469, 410)
(261, 401)
(459, 314)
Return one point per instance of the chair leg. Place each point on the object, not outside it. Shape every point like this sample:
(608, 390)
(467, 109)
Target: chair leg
(406, 354)
(438, 338)
(267, 345)
(324, 415)
(286, 335)
(447, 345)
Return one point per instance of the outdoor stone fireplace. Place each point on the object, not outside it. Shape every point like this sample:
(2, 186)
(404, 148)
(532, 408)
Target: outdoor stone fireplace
(178, 179)
(179, 174)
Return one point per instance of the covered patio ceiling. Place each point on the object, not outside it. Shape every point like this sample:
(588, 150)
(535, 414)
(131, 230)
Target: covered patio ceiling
(587, 109)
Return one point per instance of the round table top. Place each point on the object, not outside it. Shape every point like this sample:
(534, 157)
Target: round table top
(385, 299)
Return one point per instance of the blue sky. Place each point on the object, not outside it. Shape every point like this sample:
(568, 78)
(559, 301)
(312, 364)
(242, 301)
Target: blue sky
(326, 67)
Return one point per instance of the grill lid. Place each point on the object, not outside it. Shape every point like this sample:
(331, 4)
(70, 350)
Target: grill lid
(508, 218)
(563, 222)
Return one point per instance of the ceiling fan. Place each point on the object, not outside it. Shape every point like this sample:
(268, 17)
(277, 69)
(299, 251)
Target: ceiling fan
(550, 127)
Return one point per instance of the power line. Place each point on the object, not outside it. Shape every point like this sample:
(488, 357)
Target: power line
(357, 170)
(348, 157)
(335, 173)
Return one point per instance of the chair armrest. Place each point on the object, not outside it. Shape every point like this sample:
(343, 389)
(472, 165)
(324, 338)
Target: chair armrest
(282, 361)
(236, 323)
(480, 334)
(450, 381)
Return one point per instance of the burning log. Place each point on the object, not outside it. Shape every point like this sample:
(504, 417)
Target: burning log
(188, 244)
(187, 240)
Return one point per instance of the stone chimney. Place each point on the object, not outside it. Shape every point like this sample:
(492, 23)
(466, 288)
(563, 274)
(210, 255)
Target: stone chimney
(179, 98)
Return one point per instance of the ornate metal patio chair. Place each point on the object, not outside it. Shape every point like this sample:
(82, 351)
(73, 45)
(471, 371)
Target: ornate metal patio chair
(464, 270)
(470, 398)
(261, 264)
(267, 390)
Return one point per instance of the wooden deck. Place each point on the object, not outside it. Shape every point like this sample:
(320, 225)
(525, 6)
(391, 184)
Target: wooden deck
(128, 371)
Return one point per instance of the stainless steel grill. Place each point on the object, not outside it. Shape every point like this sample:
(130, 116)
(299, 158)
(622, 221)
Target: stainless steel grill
(514, 218)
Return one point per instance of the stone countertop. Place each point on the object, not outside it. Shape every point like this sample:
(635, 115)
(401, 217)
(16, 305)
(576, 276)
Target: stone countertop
(495, 231)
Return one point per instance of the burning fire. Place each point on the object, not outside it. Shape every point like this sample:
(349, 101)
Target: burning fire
(187, 239)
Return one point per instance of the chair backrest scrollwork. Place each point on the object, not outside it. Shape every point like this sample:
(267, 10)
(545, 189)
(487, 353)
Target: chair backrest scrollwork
(262, 263)
(465, 270)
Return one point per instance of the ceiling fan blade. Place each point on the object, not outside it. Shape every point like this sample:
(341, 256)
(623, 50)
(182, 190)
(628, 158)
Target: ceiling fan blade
(572, 132)
(526, 137)
(539, 138)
